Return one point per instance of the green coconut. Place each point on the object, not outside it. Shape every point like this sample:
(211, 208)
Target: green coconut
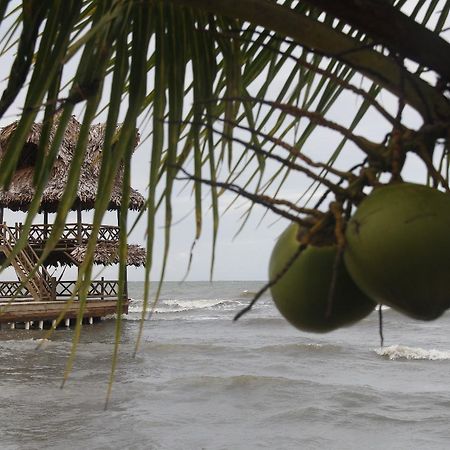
(302, 294)
(398, 249)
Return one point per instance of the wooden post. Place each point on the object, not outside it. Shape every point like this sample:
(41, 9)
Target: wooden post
(1, 214)
(102, 289)
(43, 271)
(125, 290)
(79, 231)
(125, 275)
(79, 225)
(53, 285)
(45, 225)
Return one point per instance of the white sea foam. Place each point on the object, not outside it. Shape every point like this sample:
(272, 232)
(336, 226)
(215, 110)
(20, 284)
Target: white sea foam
(176, 306)
(403, 352)
(187, 305)
(248, 294)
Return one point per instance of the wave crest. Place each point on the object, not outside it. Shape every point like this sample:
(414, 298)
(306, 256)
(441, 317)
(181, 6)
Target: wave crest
(178, 306)
(247, 293)
(394, 352)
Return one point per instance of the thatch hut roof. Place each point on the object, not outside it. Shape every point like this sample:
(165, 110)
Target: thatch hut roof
(108, 253)
(20, 192)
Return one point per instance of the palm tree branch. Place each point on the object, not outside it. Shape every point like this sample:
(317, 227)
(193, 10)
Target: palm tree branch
(324, 40)
(390, 27)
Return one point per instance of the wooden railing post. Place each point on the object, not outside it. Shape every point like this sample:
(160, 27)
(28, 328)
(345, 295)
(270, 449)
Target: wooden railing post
(79, 225)
(45, 225)
(102, 289)
(53, 288)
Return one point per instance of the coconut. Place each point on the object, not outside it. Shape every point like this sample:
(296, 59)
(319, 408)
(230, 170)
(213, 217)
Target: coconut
(302, 293)
(398, 249)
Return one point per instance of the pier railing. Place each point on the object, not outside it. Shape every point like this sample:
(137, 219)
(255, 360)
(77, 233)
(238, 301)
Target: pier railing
(72, 235)
(14, 289)
(98, 290)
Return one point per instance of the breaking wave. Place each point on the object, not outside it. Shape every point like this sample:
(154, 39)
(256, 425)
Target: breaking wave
(177, 306)
(247, 294)
(395, 352)
(301, 347)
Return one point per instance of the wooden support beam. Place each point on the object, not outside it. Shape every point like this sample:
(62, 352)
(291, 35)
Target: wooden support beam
(79, 225)
(45, 225)
(53, 283)
(102, 288)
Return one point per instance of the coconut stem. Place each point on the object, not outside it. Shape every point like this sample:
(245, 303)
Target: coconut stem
(336, 210)
(380, 325)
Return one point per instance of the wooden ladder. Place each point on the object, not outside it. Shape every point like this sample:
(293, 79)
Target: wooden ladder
(39, 285)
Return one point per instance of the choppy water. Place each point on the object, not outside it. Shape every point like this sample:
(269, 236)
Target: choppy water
(200, 381)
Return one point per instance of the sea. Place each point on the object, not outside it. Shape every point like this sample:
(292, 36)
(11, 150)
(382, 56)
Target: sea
(201, 381)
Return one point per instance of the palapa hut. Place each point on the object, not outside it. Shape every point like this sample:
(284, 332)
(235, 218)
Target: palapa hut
(70, 249)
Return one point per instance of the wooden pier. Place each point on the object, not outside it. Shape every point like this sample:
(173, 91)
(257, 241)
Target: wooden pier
(18, 306)
(44, 314)
(40, 299)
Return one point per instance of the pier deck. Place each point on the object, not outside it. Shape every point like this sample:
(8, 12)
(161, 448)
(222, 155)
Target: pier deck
(26, 311)
(17, 305)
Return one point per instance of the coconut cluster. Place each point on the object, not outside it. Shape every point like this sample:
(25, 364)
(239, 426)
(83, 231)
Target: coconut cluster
(397, 253)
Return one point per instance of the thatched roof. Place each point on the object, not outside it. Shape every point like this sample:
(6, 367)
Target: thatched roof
(108, 253)
(21, 190)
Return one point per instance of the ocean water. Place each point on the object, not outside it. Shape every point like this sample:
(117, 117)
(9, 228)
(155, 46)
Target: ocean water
(201, 381)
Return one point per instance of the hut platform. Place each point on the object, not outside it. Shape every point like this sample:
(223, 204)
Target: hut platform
(19, 309)
(43, 314)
